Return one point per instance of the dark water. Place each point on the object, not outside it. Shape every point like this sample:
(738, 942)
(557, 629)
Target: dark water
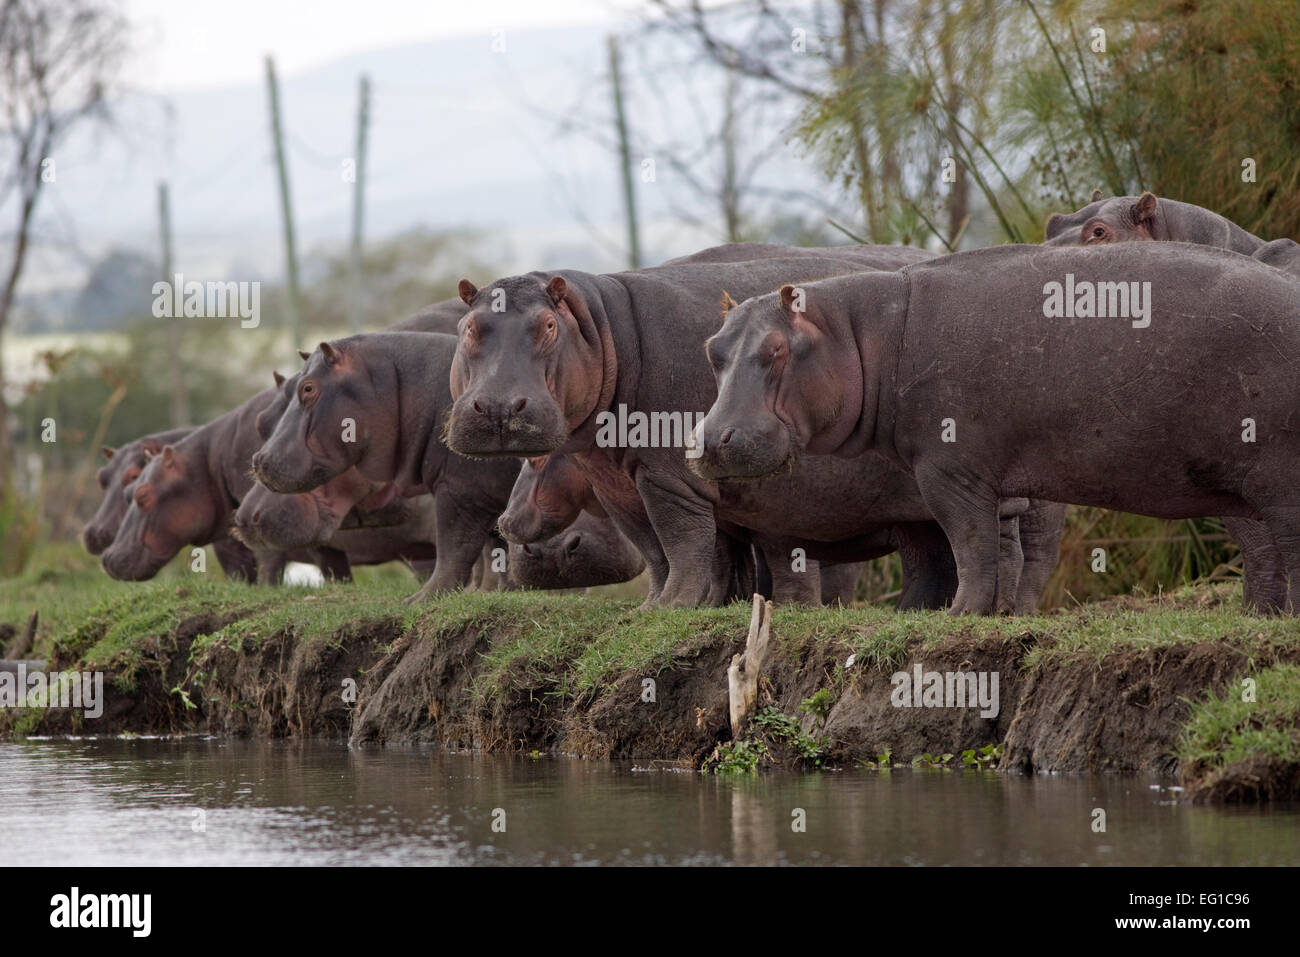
(135, 801)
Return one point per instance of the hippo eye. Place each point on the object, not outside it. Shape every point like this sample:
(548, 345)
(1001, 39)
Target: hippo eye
(306, 391)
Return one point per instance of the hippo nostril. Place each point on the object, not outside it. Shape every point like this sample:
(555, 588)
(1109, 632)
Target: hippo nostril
(519, 405)
(257, 517)
(257, 461)
(726, 436)
(479, 409)
(528, 549)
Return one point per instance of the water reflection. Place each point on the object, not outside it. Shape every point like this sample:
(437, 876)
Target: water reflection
(195, 801)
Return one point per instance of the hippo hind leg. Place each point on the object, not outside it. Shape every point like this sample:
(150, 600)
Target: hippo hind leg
(1041, 528)
(1263, 571)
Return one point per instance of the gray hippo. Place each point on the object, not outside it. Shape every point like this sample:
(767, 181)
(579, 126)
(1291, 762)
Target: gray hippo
(376, 403)
(1156, 378)
(1128, 218)
(572, 362)
(1146, 218)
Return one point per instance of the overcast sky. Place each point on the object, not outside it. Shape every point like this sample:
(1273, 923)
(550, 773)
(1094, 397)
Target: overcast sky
(198, 44)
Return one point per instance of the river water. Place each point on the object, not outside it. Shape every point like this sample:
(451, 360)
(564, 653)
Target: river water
(200, 801)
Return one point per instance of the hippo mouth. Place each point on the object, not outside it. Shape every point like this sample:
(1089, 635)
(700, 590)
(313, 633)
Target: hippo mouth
(477, 436)
(140, 565)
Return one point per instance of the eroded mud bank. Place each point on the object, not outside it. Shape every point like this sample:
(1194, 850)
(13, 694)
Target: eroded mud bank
(1096, 690)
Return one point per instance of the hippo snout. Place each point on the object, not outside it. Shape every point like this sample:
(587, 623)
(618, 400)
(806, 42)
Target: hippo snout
(514, 424)
(740, 450)
(96, 539)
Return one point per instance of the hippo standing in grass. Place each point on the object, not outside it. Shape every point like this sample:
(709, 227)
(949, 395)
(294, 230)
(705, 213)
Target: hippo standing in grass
(1155, 379)
(1146, 218)
(376, 403)
(578, 363)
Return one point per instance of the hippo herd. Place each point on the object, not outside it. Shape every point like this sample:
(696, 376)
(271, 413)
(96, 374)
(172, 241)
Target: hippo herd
(760, 417)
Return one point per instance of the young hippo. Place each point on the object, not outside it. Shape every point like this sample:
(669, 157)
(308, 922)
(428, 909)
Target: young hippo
(970, 372)
(1127, 218)
(121, 470)
(187, 495)
(376, 403)
(590, 551)
(549, 363)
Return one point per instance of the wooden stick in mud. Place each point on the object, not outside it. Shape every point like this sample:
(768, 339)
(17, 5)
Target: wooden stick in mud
(742, 676)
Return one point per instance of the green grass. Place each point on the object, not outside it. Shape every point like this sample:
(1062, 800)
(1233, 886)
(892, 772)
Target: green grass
(1224, 730)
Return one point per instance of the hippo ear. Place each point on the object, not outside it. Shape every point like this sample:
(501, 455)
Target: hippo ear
(327, 350)
(1145, 208)
(168, 456)
(305, 355)
(279, 379)
(151, 446)
(556, 289)
(109, 452)
(467, 291)
(728, 302)
(789, 294)
(1055, 223)
(1096, 195)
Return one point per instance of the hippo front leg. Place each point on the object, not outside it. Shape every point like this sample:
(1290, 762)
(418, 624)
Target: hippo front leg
(271, 566)
(684, 524)
(460, 532)
(966, 507)
(236, 559)
(1263, 589)
(791, 586)
(929, 572)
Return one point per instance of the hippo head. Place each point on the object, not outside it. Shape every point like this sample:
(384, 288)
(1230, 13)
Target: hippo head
(324, 429)
(591, 552)
(789, 380)
(530, 367)
(123, 468)
(1117, 220)
(171, 505)
(267, 519)
(548, 496)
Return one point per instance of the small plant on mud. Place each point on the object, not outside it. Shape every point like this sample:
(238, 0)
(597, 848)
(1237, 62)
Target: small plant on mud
(735, 757)
(819, 706)
(881, 763)
(782, 728)
(981, 758)
(932, 760)
(185, 698)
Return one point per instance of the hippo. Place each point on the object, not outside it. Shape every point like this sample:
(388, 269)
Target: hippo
(1127, 218)
(552, 493)
(973, 373)
(1144, 218)
(376, 402)
(590, 551)
(548, 362)
(186, 495)
(1281, 254)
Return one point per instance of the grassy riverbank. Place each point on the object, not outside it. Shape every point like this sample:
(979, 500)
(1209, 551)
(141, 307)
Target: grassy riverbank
(1124, 685)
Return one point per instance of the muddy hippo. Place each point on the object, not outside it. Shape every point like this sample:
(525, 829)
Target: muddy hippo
(376, 403)
(1164, 387)
(569, 361)
(1127, 218)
